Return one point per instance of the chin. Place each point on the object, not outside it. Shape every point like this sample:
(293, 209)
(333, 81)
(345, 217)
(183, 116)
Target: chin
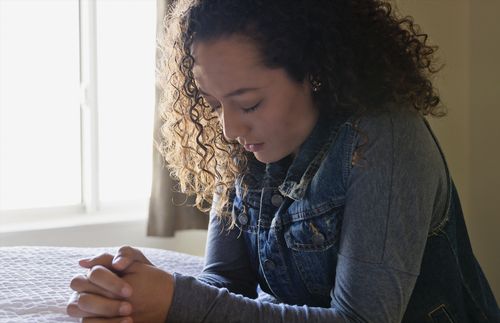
(267, 159)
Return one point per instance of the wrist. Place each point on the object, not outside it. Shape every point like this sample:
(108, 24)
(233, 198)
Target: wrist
(170, 287)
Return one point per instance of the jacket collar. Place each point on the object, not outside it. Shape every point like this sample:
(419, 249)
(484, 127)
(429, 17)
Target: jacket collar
(310, 156)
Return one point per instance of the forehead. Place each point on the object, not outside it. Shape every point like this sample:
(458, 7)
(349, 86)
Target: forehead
(226, 61)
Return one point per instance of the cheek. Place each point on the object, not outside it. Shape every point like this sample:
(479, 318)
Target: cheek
(290, 116)
(275, 122)
(284, 115)
(284, 111)
(280, 128)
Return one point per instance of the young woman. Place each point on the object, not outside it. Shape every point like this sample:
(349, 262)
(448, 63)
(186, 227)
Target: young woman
(302, 124)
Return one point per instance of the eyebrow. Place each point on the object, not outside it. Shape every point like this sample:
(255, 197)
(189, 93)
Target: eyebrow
(233, 93)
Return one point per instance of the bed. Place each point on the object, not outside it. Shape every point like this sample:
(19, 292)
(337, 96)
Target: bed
(34, 281)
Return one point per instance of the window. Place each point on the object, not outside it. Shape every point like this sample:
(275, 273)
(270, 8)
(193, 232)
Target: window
(76, 103)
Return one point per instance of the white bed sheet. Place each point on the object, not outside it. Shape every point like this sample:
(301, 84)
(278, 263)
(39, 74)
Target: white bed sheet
(34, 281)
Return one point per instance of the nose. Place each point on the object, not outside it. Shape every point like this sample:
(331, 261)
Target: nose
(233, 125)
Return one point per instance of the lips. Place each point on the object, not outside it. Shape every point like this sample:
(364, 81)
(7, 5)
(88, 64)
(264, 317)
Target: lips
(253, 147)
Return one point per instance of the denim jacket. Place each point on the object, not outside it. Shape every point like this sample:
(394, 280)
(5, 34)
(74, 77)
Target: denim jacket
(363, 225)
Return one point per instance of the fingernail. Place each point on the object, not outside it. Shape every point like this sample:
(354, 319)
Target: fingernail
(126, 320)
(125, 309)
(84, 263)
(118, 262)
(126, 291)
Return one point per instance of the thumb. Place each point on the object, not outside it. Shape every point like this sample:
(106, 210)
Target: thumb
(104, 259)
(127, 256)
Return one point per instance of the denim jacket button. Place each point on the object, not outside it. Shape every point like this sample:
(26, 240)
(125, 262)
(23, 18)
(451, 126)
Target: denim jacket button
(243, 219)
(276, 200)
(269, 264)
(318, 239)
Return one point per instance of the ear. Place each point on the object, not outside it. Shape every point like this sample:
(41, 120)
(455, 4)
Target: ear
(306, 83)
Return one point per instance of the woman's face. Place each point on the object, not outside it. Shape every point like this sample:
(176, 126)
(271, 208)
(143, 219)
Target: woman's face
(263, 109)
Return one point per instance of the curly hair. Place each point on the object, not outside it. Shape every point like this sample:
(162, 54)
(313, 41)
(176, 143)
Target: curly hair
(366, 57)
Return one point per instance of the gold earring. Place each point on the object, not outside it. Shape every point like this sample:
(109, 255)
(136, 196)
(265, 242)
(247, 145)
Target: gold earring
(315, 84)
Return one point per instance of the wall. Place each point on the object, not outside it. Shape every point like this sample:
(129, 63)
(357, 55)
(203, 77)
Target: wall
(484, 219)
(468, 34)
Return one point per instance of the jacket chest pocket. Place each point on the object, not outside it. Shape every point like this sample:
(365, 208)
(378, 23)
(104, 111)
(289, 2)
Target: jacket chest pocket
(312, 238)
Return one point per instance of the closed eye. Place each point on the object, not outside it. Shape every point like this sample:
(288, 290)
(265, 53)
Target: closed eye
(252, 108)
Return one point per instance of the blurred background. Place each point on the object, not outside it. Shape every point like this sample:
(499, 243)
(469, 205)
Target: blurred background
(77, 104)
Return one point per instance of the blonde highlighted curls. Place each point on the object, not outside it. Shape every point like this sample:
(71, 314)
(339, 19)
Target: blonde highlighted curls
(192, 141)
(365, 57)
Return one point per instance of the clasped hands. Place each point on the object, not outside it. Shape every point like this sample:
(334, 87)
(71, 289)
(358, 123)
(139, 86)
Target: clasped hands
(125, 288)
